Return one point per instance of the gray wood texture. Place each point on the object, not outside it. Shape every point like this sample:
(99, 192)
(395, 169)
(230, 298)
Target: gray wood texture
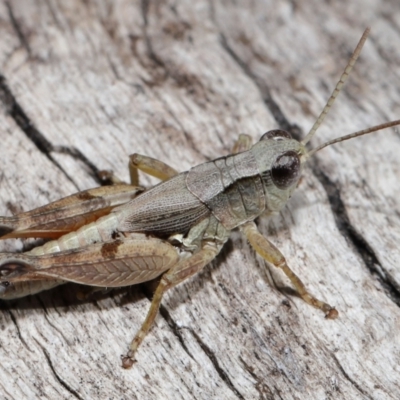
(86, 83)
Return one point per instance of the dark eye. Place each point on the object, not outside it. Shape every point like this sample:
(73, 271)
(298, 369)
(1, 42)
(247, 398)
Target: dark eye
(286, 169)
(276, 134)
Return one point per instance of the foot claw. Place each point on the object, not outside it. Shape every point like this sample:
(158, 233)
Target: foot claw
(127, 361)
(332, 314)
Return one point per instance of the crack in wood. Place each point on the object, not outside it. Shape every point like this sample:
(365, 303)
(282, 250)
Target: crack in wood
(176, 330)
(265, 392)
(360, 244)
(58, 378)
(214, 360)
(16, 112)
(349, 379)
(14, 320)
(18, 29)
(268, 99)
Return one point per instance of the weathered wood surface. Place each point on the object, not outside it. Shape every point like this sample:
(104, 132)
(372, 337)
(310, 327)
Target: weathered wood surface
(84, 84)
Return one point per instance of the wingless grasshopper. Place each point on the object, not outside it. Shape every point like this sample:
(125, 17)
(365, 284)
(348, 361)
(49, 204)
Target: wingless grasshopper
(112, 237)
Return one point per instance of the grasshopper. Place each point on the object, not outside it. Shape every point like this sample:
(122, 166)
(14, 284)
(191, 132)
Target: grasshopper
(117, 236)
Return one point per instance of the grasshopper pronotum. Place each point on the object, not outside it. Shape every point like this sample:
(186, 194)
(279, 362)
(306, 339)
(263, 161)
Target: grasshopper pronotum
(112, 237)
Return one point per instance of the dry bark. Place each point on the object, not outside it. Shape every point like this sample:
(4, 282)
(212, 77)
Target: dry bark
(85, 84)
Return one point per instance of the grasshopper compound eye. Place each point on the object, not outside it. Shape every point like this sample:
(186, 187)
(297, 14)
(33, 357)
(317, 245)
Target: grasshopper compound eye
(276, 134)
(286, 169)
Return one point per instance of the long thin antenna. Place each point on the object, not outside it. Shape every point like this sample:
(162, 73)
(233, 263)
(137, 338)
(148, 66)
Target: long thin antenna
(338, 87)
(353, 135)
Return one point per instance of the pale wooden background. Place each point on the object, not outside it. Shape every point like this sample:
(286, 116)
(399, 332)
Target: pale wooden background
(90, 82)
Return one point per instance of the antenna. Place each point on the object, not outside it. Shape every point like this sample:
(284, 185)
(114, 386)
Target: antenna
(338, 87)
(353, 135)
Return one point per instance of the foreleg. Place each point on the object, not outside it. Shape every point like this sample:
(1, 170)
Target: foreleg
(273, 256)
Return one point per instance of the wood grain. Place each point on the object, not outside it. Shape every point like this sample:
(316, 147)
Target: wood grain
(85, 84)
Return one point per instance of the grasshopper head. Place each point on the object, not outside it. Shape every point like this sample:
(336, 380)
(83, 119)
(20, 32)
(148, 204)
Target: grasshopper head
(279, 159)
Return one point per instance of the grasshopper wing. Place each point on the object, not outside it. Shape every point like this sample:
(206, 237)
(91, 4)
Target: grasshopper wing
(111, 264)
(165, 209)
(68, 214)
